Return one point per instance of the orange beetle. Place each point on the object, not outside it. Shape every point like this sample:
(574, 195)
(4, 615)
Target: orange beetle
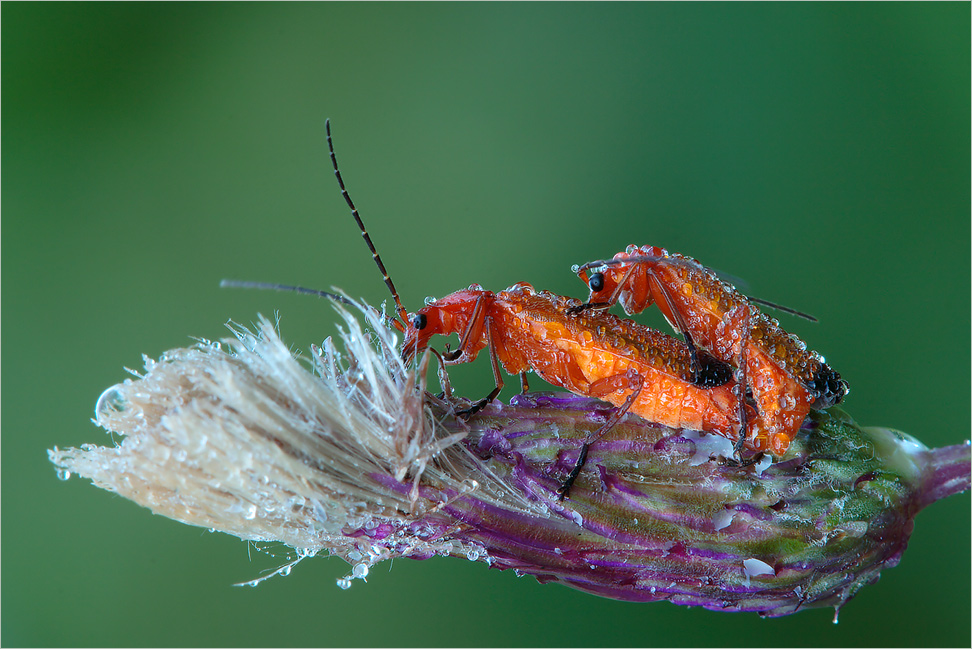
(785, 377)
(591, 354)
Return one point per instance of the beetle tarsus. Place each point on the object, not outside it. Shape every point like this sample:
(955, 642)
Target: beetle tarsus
(564, 488)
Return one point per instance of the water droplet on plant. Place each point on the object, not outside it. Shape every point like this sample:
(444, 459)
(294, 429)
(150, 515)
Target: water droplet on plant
(110, 401)
(63, 474)
(360, 571)
(344, 583)
(251, 512)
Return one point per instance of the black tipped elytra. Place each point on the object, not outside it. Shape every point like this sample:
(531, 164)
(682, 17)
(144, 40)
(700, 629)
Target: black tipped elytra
(829, 388)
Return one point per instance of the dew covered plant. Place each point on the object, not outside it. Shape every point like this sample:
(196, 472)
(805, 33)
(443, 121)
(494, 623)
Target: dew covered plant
(345, 452)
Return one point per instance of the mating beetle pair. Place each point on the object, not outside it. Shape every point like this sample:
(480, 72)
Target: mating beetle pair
(737, 373)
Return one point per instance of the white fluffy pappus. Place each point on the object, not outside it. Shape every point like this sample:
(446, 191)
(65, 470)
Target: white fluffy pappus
(241, 438)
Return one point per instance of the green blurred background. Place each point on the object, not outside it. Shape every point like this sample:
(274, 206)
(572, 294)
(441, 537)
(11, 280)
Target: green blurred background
(821, 152)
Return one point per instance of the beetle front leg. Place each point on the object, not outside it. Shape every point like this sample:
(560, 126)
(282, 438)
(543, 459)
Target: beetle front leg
(497, 376)
(631, 379)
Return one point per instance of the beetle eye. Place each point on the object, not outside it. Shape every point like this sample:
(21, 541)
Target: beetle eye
(419, 321)
(596, 282)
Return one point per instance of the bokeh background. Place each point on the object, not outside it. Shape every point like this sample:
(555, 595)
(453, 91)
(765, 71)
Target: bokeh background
(820, 152)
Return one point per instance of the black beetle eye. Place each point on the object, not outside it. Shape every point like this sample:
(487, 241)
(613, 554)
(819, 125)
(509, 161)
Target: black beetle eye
(419, 321)
(596, 282)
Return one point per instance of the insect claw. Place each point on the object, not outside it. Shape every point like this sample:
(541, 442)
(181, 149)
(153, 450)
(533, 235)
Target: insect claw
(738, 463)
(564, 489)
(464, 415)
(738, 444)
(449, 355)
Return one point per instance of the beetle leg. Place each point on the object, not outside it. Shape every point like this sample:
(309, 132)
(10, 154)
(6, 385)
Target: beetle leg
(682, 327)
(524, 383)
(742, 383)
(497, 376)
(444, 382)
(635, 381)
(467, 334)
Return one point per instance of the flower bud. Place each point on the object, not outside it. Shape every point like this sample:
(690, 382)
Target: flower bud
(356, 458)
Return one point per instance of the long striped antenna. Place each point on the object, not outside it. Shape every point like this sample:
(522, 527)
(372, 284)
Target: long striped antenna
(286, 288)
(234, 283)
(364, 233)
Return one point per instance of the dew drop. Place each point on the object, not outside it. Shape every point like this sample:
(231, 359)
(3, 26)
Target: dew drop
(360, 571)
(344, 583)
(251, 512)
(285, 570)
(110, 401)
(63, 474)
